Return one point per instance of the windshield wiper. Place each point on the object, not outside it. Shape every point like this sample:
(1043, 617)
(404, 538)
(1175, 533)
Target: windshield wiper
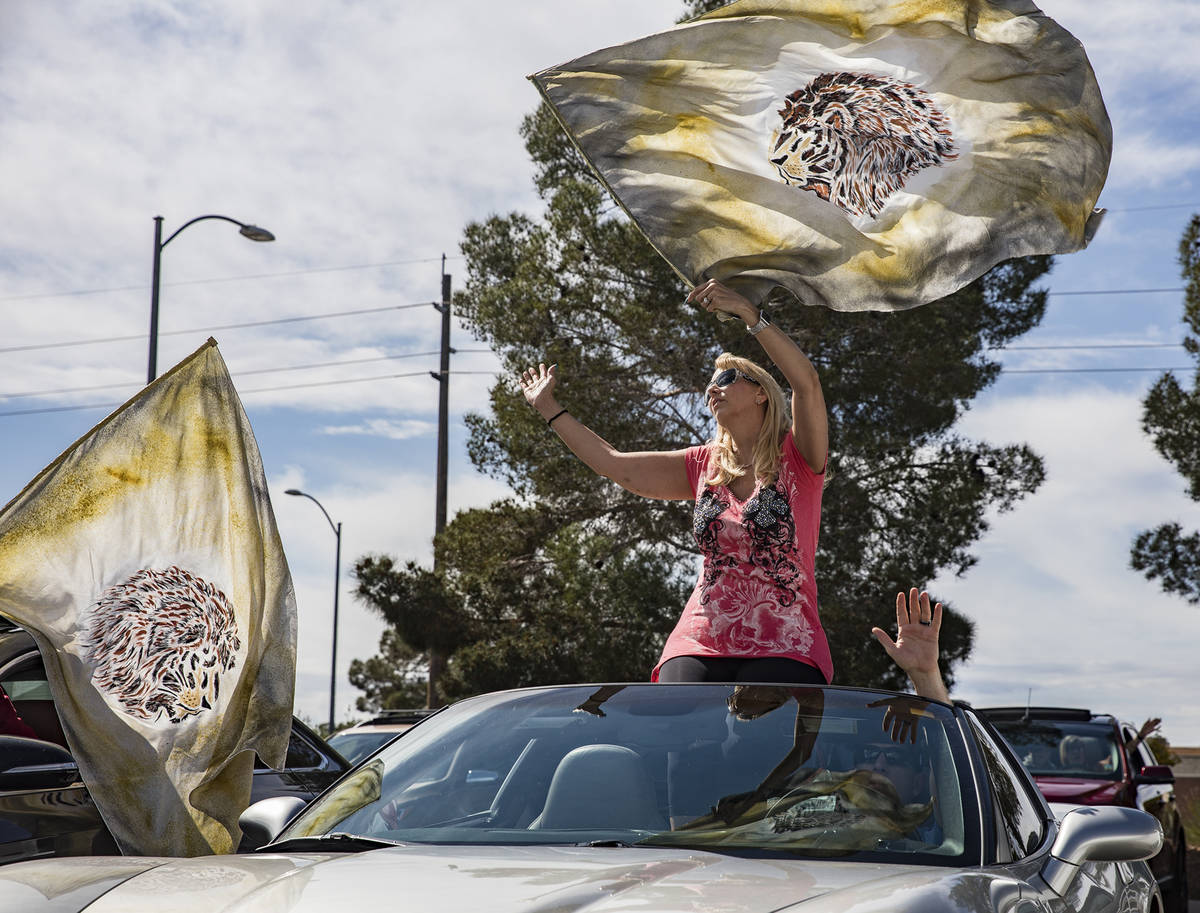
(328, 843)
(616, 843)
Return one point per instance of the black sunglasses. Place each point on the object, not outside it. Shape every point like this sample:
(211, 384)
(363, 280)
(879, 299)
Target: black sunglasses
(728, 376)
(890, 755)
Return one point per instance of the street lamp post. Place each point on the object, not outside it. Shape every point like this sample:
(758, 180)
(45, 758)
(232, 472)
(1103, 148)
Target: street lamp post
(253, 232)
(337, 563)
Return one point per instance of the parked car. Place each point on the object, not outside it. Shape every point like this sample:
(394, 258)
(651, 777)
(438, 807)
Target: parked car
(45, 810)
(660, 798)
(363, 739)
(1086, 758)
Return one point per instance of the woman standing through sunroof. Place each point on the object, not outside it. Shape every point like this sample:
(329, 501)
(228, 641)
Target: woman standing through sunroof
(752, 616)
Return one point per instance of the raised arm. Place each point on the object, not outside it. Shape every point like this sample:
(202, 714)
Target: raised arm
(810, 422)
(915, 649)
(652, 474)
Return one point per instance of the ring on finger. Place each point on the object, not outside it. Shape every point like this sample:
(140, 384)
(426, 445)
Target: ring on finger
(924, 622)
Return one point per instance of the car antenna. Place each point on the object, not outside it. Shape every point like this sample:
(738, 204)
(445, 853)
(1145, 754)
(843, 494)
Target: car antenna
(1028, 705)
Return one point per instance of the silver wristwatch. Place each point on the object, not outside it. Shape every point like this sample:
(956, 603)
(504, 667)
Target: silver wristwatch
(762, 324)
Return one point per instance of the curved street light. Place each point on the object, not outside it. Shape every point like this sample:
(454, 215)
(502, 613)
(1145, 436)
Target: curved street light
(337, 531)
(253, 232)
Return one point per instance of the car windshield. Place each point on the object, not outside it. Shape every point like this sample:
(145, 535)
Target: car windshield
(354, 746)
(756, 767)
(1052, 748)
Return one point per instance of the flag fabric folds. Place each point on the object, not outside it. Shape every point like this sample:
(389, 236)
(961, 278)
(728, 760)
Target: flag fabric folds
(865, 154)
(146, 563)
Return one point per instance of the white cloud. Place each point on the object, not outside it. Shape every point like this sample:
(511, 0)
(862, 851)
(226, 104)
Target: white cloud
(383, 427)
(1136, 52)
(1057, 607)
(1144, 160)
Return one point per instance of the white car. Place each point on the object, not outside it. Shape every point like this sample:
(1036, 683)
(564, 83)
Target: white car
(657, 798)
(362, 740)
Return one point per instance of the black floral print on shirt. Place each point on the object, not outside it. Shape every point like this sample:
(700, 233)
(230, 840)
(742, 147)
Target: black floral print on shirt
(767, 518)
(706, 524)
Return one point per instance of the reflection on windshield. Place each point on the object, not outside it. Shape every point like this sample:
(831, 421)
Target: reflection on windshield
(801, 769)
(362, 787)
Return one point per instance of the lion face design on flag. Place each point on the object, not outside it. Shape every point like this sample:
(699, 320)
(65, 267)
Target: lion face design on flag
(160, 641)
(854, 139)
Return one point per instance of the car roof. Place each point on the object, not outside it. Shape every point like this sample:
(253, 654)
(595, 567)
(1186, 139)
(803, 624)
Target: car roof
(388, 719)
(1061, 714)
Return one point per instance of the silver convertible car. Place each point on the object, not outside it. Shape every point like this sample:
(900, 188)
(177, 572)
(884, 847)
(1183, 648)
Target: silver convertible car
(655, 798)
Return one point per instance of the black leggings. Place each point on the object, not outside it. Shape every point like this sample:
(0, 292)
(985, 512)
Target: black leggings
(774, 669)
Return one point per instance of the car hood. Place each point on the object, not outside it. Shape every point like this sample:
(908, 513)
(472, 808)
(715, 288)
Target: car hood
(452, 879)
(1079, 790)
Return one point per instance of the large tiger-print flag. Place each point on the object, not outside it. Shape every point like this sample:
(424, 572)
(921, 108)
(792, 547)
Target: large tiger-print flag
(146, 563)
(865, 154)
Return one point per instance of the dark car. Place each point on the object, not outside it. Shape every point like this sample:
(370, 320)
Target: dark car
(45, 810)
(1086, 758)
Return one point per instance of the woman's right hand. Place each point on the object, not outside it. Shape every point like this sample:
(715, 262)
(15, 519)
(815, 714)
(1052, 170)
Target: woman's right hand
(538, 386)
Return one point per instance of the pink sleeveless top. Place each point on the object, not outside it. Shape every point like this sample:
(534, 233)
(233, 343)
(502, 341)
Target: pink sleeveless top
(756, 596)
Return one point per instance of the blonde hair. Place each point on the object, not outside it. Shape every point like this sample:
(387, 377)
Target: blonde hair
(777, 421)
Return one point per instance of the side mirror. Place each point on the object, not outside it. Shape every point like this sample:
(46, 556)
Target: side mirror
(34, 764)
(1155, 774)
(1099, 834)
(263, 821)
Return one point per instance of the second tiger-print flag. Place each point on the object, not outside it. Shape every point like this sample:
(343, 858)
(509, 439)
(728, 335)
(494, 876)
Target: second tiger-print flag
(147, 565)
(865, 154)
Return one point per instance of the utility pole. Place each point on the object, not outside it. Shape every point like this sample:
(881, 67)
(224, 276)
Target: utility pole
(443, 404)
(437, 662)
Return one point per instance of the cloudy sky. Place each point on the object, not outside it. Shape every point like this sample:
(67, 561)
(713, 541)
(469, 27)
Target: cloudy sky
(365, 135)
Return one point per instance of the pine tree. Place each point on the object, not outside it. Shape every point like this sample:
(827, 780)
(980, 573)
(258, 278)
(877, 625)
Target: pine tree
(1171, 416)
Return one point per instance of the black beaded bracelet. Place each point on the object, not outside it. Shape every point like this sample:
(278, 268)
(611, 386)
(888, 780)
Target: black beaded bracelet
(550, 420)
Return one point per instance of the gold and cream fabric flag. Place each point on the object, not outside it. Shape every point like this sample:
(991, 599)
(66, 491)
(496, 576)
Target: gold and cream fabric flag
(865, 154)
(146, 563)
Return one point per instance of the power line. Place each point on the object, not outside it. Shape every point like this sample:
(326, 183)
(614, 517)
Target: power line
(1085, 370)
(210, 329)
(321, 383)
(1163, 206)
(33, 347)
(307, 367)
(354, 380)
(358, 380)
(315, 270)
(332, 383)
(1118, 291)
(1097, 345)
(298, 272)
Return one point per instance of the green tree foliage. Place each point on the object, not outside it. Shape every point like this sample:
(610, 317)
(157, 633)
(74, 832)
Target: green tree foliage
(519, 599)
(1171, 416)
(693, 8)
(1161, 748)
(577, 579)
(392, 680)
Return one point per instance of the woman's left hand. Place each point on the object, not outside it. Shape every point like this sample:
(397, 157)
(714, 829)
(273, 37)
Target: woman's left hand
(715, 297)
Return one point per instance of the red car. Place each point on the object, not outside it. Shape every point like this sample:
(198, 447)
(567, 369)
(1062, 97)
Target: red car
(1086, 758)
